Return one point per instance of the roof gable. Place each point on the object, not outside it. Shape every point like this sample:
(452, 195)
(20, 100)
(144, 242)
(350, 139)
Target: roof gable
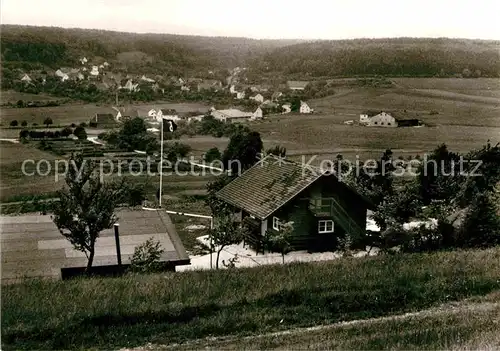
(268, 185)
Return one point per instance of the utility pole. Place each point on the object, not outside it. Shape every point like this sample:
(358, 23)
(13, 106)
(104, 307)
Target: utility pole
(161, 162)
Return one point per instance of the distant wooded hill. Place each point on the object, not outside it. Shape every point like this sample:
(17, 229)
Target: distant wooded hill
(156, 53)
(28, 47)
(388, 57)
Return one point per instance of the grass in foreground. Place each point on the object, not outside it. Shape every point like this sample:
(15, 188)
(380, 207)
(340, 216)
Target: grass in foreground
(170, 308)
(460, 326)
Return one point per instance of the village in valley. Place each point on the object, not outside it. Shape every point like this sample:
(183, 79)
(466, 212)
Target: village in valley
(196, 196)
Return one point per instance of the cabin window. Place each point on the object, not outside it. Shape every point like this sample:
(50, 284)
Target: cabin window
(325, 226)
(382, 123)
(276, 223)
(389, 123)
(376, 122)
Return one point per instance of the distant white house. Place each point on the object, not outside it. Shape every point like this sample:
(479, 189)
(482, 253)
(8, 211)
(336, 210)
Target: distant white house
(258, 113)
(240, 95)
(276, 96)
(146, 79)
(62, 75)
(364, 118)
(94, 71)
(185, 88)
(105, 64)
(304, 108)
(286, 108)
(231, 115)
(258, 98)
(195, 118)
(232, 89)
(382, 120)
(152, 113)
(130, 86)
(83, 60)
(26, 78)
(167, 114)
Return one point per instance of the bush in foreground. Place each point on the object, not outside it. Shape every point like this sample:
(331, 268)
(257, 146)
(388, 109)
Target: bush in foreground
(134, 310)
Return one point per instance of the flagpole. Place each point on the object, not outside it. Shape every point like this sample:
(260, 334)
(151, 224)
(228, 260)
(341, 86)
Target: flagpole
(161, 162)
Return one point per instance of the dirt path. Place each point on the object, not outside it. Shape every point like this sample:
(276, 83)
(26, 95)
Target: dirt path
(215, 342)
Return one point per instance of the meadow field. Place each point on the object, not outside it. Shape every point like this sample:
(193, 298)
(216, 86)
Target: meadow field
(463, 113)
(77, 113)
(175, 308)
(11, 96)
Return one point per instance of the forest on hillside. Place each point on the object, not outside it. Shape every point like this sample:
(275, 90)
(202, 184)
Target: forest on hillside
(30, 47)
(409, 57)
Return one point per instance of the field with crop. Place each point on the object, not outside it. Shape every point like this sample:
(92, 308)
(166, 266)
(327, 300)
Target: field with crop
(464, 117)
(11, 96)
(178, 307)
(463, 113)
(77, 113)
(12, 180)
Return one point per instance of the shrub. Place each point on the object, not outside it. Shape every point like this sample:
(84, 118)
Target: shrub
(212, 155)
(146, 258)
(66, 132)
(481, 227)
(24, 123)
(80, 133)
(23, 134)
(13, 123)
(48, 121)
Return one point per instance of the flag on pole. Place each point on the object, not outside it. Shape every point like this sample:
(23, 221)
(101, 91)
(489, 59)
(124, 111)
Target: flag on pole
(169, 125)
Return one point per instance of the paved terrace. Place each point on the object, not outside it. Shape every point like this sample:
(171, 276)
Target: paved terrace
(32, 246)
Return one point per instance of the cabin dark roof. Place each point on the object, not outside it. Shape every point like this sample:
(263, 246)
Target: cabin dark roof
(129, 112)
(104, 118)
(268, 185)
(168, 112)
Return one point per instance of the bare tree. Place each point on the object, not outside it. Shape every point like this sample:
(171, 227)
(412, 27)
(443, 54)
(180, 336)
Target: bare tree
(86, 206)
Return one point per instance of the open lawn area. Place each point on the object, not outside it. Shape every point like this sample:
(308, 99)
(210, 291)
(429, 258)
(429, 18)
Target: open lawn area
(14, 96)
(12, 180)
(169, 308)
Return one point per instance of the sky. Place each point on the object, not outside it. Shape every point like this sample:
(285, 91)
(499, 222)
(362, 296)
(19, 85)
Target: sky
(310, 19)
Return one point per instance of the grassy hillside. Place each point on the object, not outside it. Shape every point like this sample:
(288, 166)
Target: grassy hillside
(411, 57)
(468, 325)
(176, 307)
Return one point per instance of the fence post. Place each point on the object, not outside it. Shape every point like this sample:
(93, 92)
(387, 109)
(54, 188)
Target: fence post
(117, 240)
